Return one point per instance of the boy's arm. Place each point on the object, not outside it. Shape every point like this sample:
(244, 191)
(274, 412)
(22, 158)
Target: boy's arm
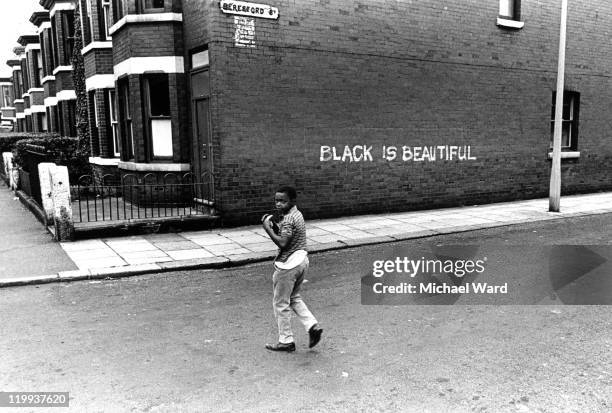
(281, 240)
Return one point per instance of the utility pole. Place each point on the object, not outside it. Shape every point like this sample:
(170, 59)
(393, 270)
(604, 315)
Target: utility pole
(555, 172)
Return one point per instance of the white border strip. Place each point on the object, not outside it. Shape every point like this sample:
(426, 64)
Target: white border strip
(7, 108)
(21, 115)
(48, 79)
(18, 101)
(61, 6)
(145, 18)
(153, 167)
(65, 95)
(15, 68)
(62, 69)
(104, 161)
(52, 101)
(100, 82)
(32, 46)
(43, 26)
(96, 46)
(513, 24)
(36, 89)
(139, 65)
(37, 108)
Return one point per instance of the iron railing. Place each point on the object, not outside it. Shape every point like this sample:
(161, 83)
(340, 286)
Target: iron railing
(109, 198)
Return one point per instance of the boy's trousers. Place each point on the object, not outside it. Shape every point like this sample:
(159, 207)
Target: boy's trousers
(286, 285)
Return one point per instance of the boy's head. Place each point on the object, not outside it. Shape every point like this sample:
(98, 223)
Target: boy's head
(284, 199)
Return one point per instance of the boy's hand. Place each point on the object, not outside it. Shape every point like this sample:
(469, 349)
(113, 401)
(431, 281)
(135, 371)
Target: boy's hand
(266, 221)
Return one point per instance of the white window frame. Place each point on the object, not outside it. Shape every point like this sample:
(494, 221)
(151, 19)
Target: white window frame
(160, 126)
(107, 17)
(509, 14)
(91, 25)
(112, 110)
(572, 102)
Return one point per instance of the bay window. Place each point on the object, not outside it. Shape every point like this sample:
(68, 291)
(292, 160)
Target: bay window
(157, 110)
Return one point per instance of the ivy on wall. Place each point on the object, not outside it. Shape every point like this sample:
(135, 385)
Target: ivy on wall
(78, 77)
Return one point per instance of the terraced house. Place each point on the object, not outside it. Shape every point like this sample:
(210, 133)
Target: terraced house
(363, 106)
(7, 110)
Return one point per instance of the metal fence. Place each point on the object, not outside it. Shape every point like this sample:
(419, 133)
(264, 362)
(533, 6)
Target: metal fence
(108, 198)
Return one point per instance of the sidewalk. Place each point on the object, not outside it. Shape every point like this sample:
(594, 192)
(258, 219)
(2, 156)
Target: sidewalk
(124, 256)
(26, 248)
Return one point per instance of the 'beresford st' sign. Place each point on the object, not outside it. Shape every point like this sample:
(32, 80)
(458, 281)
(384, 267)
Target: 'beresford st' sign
(248, 9)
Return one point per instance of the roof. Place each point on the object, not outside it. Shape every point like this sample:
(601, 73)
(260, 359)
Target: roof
(38, 17)
(25, 39)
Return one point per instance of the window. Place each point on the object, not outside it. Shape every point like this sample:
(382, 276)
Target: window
(67, 117)
(43, 53)
(68, 38)
(104, 17)
(125, 119)
(569, 133)
(87, 23)
(48, 53)
(150, 6)
(42, 122)
(510, 9)
(199, 59)
(157, 104)
(510, 14)
(117, 10)
(54, 44)
(37, 74)
(112, 110)
(49, 118)
(24, 76)
(7, 97)
(19, 88)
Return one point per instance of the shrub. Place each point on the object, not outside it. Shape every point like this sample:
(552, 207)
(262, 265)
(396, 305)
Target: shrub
(59, 150)
(8, 140)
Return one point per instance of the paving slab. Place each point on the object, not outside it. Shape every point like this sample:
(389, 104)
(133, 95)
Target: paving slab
(178, 255)
(123, 256)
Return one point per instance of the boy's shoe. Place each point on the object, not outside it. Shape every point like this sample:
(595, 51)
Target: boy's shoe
(288, 347)
(315, 335)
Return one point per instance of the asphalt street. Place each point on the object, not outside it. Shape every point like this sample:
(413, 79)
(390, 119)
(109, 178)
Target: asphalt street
(194, 341)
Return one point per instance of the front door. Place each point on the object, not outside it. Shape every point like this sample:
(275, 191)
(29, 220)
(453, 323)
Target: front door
(202, 162)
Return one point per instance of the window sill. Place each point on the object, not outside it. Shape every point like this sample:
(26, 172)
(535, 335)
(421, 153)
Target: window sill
(96, 46)
(510, 24)
(155, 167)
(567, 155)
(104, 161)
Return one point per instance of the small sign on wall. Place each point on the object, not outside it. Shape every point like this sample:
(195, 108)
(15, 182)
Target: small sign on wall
(244, 8)
(245, 32)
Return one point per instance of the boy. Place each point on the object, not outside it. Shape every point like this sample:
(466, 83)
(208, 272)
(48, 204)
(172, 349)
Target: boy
(290, 266)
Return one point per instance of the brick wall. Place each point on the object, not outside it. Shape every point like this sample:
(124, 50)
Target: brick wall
(63, 81)
(37, 98)
(98, 61)
(49, 87)
(148, 40)
(399, 73)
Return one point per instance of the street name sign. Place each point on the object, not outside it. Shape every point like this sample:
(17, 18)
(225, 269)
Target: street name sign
(244, 8)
